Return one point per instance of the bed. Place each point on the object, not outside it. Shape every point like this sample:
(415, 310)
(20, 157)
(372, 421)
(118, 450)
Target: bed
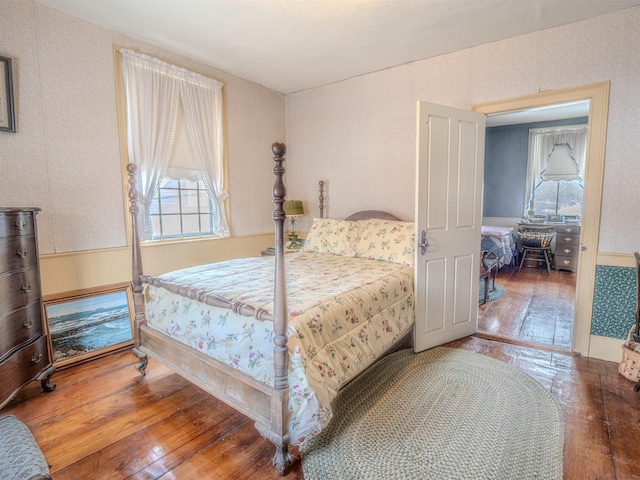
(277, 337)
(499, 241)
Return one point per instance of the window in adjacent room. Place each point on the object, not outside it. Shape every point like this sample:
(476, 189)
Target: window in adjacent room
(174, 136)
(555, 170)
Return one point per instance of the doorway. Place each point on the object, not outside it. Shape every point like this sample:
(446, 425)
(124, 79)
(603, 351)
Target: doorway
(598, 96)
(534, 164)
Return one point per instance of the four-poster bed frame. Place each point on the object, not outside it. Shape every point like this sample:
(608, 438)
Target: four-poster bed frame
(266, 405)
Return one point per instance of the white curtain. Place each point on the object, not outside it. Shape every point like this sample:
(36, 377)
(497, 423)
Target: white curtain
(542, 142)
(202, 102)
(158, 96)
(561, 164)
(152, 103)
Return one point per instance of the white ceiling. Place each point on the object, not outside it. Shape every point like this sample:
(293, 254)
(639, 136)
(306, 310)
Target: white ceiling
(293, 45)
(540, 114)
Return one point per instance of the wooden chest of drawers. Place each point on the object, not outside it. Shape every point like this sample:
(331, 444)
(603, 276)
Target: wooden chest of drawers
(567, 247)
(24, 351)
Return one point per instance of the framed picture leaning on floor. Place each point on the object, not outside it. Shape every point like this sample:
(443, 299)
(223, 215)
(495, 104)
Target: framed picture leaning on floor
(85, 324)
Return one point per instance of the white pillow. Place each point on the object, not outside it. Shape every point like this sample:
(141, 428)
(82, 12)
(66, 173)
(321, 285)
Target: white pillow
(327, 235)
(388, 240)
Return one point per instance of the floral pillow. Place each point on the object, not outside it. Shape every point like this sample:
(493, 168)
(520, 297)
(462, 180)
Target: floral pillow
(327, 235)
(389, 240)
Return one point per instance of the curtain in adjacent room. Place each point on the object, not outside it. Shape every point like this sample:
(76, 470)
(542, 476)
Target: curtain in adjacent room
(542, 142)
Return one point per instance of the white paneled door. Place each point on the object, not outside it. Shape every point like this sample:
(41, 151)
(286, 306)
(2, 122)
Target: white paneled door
(450, 162)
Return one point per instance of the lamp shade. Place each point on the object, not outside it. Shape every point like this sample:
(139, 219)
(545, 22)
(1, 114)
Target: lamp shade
(293, 208)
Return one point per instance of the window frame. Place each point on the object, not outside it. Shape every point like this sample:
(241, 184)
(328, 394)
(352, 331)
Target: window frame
(560, 183)
(157, 202)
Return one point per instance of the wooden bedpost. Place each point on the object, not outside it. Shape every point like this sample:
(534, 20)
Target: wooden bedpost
(138, 299)
(278, 434)
(321, 198)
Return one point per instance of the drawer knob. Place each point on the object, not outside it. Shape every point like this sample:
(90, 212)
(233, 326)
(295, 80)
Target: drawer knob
(26, 288)
(22, 253)
(566, 262)
(20, 224)
(568, 230)
(567, 239)
(36, 357)
(28, 323)
(567, 250)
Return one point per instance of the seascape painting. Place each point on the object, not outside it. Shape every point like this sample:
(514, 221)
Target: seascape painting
(89, 325)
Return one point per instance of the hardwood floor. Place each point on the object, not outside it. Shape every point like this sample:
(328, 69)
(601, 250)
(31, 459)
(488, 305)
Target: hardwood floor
(104, 421)
(536, 307)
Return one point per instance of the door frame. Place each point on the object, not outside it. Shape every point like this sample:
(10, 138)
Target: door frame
(598, 96)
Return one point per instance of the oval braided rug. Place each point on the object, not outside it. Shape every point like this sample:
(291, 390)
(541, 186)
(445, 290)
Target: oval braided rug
(495, 294)
(441, 414)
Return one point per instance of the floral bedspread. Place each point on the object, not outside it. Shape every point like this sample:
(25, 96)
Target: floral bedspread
(344, 312)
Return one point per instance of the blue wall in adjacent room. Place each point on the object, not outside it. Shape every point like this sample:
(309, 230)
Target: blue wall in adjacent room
(505, 166)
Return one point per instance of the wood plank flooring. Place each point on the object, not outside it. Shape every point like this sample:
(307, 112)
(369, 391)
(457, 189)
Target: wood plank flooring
(536, 308)
(104, 421)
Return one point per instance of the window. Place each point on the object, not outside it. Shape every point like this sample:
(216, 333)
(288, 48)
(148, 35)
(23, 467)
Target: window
(555, 170)
(174, 136)
(180, 209)
(559, 197)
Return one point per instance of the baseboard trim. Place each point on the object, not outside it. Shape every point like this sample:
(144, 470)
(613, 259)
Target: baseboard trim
(521, 343)
(616, 259)
(605, 348)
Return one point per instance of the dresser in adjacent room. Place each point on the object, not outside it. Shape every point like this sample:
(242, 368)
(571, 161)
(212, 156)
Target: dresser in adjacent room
(24, 351)
(567, 247)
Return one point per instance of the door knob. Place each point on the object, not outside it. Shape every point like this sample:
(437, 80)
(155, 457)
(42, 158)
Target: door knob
(424, 243)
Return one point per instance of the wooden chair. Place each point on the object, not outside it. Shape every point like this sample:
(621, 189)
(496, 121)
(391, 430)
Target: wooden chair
(488, 269)
(535, 243)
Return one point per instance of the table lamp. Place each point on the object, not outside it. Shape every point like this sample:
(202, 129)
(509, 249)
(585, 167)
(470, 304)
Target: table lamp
(293, 209)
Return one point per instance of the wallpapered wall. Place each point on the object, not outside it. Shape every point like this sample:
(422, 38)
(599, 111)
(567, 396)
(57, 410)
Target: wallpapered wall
(65, 157)
(614, 301)
(357, 135)
(360, 134)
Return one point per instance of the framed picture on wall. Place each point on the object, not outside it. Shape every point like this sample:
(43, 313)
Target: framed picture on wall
(7, 114)
(89, 323)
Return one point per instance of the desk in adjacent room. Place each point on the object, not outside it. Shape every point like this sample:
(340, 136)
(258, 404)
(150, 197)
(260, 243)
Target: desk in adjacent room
(567, 243)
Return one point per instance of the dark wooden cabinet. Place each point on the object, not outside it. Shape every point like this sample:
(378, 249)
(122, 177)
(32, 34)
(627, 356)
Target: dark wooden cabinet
(24, 351)
(567, 247)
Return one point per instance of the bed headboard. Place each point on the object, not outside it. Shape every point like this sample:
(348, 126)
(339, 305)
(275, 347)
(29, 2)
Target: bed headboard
(369, 214)
(362, 215)
(321, 198)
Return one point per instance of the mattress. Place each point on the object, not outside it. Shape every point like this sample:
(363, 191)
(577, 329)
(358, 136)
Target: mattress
(344, 313)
